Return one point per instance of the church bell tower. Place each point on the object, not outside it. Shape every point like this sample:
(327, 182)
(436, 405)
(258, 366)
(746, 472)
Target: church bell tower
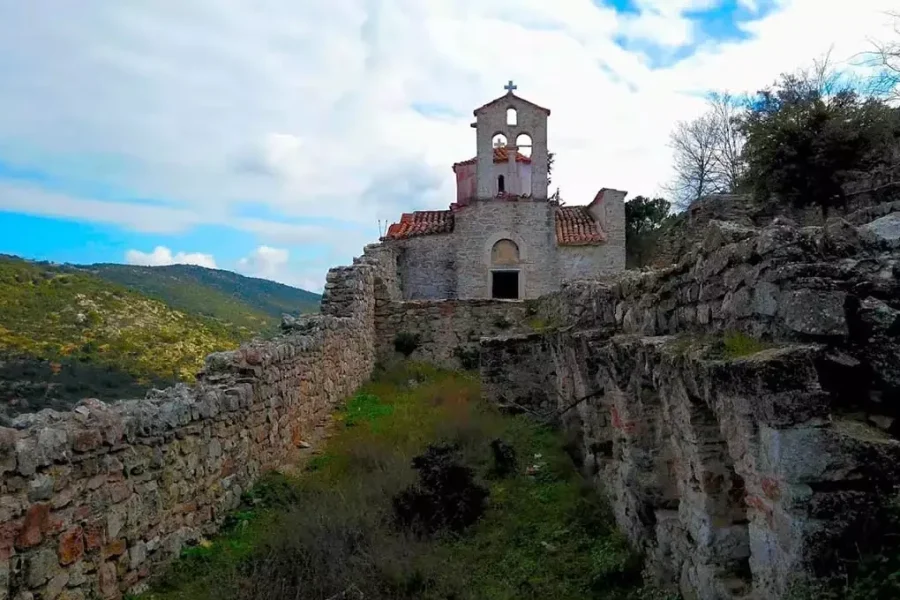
(519, 126)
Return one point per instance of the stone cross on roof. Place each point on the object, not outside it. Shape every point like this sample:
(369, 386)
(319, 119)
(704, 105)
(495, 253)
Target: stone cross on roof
(509, 87)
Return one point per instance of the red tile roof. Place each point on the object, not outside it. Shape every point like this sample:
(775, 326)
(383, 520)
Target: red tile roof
(501, 155)
(576, 227)
(421, 222)
(505, 98)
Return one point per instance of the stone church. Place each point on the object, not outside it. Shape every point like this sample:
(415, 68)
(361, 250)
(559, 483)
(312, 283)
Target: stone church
(504, 237)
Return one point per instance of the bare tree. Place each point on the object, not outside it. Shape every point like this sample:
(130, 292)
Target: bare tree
(887, 57)
(694, 146)
(728, 163)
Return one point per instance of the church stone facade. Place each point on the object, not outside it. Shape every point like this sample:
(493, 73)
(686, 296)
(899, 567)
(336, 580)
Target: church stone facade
(504, 238)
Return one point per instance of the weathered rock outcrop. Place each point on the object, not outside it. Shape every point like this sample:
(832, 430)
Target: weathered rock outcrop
(739, 466)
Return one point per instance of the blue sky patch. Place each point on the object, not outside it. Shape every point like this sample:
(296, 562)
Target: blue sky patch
(721, 24)
(84, 187)
(79, 242)
(440, 111)
(622, 6)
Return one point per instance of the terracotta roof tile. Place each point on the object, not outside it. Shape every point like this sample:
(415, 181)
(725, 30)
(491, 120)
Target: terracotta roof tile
(421, 222)
(501, 155)
(576, 227)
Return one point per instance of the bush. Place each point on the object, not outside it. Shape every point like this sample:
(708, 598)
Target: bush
(406, 343)
(504, 458)
(445, 497)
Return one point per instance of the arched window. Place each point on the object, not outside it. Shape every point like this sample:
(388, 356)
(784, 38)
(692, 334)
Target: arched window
(511, 116)
(505, 252)
(505, 270)
(501, 184)
(499, 141)
(523, 142)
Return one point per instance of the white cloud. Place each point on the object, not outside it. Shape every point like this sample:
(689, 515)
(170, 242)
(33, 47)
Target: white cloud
(163, 256)
(265, 262)
(310, 108)
(670, 30)
(275, 264)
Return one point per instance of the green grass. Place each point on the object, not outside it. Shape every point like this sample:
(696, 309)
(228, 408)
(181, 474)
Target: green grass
(735, 344)
(728, 346)
(544, 534)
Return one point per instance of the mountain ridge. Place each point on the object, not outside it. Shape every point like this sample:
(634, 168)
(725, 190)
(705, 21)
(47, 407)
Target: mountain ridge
(112, 331)
(251, 302)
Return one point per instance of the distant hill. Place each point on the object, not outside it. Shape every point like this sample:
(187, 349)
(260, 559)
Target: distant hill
(112, 331)
(245, 301)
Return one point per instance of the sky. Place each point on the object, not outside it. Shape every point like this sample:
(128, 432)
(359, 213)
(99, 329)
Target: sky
(271, 137)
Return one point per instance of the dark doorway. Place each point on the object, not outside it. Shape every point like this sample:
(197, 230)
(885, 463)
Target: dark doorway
(505, 285)
(501, 184)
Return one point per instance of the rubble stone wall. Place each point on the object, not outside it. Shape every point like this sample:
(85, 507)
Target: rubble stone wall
(737, 468)
(448, 330)
(94, 500)
(427, 266)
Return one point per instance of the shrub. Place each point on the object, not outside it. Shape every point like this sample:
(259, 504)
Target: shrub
(330, 544)
(406, 343)
(504, 457)
(445, 497)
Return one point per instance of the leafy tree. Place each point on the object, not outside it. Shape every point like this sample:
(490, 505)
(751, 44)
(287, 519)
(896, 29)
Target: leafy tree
(643, 217)
(810, 134)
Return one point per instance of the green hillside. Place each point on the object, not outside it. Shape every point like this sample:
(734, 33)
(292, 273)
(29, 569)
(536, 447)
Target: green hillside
(66, 334)
(248, 302)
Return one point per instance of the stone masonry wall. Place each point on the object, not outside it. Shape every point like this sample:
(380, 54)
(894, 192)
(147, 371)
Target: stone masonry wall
(737, 471)
(590, 262)
(528, 223)
(427, 266)
(94, 500)
(445, 328)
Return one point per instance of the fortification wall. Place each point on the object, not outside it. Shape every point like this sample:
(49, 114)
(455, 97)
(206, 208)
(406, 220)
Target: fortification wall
(737, 469)
(448, 330)
(92, 501)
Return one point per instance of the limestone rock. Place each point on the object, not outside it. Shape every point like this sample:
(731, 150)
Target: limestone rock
(815, 312)
(885, 229)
